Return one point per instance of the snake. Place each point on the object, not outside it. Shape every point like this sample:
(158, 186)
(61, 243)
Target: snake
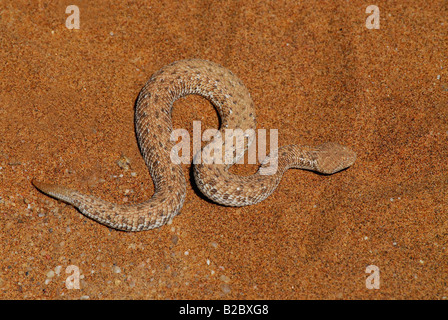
(154, 128)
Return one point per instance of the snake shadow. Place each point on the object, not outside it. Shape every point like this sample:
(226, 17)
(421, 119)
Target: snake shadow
(195, 187)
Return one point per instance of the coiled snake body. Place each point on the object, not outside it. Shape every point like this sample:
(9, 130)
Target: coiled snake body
(153, 126)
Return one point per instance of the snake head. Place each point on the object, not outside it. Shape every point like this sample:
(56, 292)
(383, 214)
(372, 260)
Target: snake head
(333, 157)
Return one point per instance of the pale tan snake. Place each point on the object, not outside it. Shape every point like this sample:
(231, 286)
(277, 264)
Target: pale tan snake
(153, 127)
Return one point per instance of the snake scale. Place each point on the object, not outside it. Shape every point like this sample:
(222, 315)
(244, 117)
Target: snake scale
(153, 128)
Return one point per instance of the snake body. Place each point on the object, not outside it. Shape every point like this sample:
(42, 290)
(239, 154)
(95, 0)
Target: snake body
(154, 127)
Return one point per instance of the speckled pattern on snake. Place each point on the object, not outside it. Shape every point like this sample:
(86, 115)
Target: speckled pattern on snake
(153, 127)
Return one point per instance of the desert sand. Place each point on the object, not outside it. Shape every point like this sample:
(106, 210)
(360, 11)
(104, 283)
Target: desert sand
(316, 73)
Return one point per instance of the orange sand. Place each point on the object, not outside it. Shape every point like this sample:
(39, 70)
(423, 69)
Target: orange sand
(315, 72)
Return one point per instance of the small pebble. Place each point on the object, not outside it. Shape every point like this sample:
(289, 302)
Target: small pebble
(57, 270)
(214, 244)
(225, 288)
(124, 162)
(116, 269)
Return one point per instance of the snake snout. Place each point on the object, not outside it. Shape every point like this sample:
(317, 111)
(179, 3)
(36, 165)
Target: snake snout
(333, 157)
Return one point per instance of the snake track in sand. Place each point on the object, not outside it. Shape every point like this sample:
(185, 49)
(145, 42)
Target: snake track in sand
(153, 127)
